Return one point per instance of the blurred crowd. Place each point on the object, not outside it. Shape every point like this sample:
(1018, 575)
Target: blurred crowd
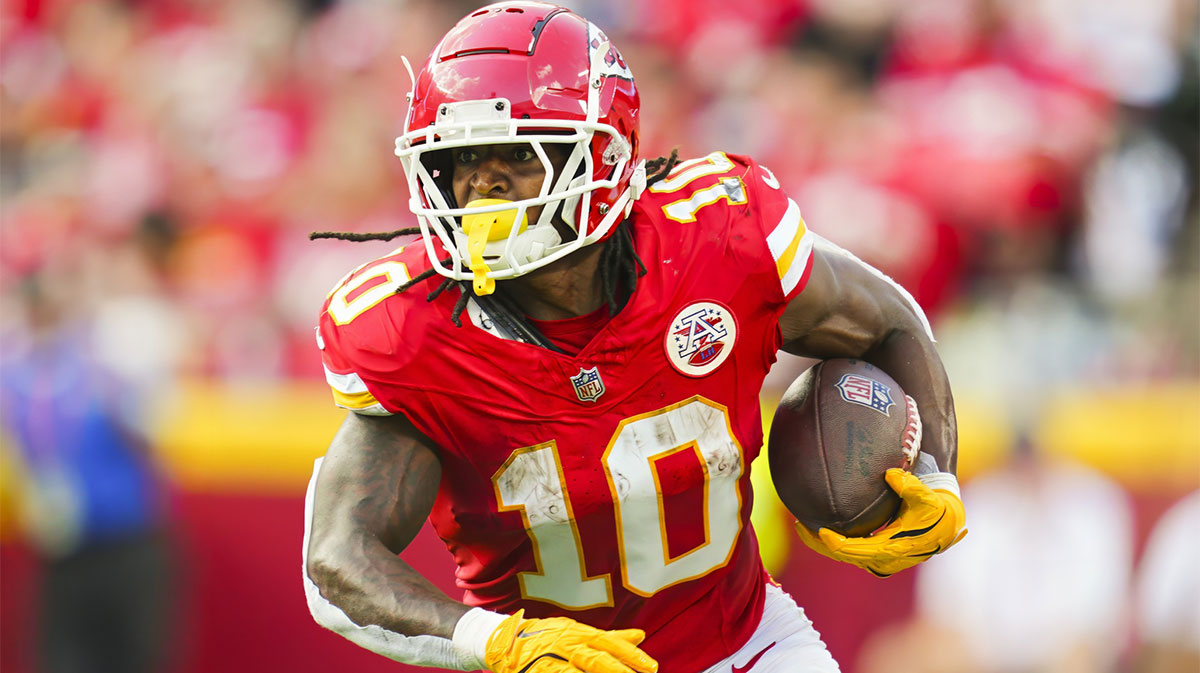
(963, 146)
(1026, 168)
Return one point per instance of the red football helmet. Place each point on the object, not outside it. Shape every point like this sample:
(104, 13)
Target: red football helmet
(523, 72)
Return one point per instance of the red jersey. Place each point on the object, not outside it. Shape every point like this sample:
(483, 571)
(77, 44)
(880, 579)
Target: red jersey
(611, 486)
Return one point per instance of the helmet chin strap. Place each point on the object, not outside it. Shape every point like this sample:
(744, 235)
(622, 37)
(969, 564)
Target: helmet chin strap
(490, 236)
(637, 184)
(511, 323)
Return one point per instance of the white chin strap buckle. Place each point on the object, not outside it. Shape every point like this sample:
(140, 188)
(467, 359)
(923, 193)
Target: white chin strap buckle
(637, 182)
(528, 247)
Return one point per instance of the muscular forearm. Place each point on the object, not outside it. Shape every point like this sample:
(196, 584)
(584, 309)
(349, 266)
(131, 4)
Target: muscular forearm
(358, 601)
(366, 501)
(908, 356)
(362, 518)
(371, 585)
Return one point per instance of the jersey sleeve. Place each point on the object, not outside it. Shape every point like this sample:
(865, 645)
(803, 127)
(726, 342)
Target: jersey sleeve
(789, 243)
(349, 389)
(357, 336)
(734, 199)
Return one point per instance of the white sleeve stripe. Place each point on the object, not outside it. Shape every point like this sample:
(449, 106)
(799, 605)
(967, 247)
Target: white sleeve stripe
(781, 237)
(347, 384)
(418, 650)
(799, 263)
(350, 392)
(373, 410)
(912, 302)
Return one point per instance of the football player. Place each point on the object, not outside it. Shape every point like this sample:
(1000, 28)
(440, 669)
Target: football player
(563, 376)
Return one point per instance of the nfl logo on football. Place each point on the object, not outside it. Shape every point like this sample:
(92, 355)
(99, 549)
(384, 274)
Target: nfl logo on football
(867, 392)
(588, 385)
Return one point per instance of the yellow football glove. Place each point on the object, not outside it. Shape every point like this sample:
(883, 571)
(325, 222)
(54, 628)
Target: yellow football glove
(562, 645)
(930, 521)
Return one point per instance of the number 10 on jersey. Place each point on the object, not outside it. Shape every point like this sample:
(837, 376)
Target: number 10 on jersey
(532, 481)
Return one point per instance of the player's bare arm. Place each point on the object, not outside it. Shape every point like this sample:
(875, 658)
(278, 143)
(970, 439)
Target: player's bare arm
(849, 310)
(376, 487)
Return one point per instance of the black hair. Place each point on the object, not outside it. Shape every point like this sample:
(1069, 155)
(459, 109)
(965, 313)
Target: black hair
(620, 266)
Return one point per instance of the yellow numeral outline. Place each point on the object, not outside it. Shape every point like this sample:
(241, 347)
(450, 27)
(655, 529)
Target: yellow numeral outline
(643, 571)
(555, 583)
(639, 565)
(662, 506)
(344, 311)
(733, 190)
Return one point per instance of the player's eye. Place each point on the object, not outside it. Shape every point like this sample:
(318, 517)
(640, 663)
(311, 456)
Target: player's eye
(524, 153)
(465, 156)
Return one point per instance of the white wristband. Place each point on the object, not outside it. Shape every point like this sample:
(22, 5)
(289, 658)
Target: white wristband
(942, 481)
(471, 635)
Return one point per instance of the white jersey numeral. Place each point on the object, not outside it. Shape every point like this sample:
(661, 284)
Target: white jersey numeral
(532, 481)
(687, 171)
(696, 425)
(730, 189)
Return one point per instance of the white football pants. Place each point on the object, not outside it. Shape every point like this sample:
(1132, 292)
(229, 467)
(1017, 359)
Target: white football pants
(784, 642)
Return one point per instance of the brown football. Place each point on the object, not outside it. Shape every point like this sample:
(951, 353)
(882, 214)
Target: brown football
(838, 428)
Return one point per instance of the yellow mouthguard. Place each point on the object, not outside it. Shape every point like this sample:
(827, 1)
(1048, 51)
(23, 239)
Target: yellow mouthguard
(482, 229)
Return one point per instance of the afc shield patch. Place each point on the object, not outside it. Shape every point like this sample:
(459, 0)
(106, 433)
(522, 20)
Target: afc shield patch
(588, 384)
(866, 391)
(700, 338)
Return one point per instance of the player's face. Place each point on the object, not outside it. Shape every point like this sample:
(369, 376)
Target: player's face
(511, 172)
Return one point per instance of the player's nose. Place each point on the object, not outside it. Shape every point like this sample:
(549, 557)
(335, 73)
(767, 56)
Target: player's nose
(491, 178)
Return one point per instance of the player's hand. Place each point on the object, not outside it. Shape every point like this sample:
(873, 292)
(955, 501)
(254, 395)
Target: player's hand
(930, 521)
(562, 645)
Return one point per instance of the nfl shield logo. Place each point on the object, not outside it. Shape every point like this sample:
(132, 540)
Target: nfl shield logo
(867, 392)
(588, 385)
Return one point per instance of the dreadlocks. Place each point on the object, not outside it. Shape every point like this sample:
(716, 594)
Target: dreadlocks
(620, 266)
(377, 236)
(657, 169)
(459, 306)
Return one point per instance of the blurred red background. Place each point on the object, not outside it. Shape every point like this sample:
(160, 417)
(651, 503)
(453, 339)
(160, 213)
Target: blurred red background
(1027, 170)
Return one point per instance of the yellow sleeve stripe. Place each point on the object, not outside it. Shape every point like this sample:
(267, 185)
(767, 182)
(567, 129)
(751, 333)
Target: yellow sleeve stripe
(791, 246)
(363, 402)
(789, 255)
(349, 392)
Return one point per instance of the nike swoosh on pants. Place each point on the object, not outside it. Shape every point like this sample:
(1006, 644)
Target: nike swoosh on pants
(753, 660)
